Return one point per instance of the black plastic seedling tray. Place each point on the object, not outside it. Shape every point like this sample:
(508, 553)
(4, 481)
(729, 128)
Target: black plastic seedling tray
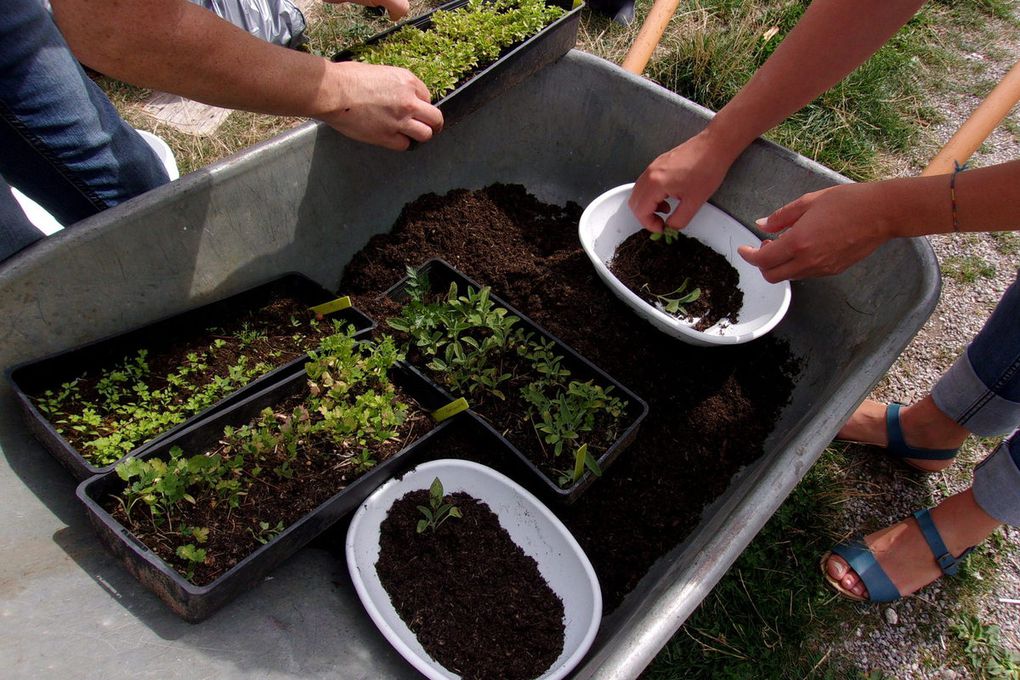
(515, 65)
(440, 276)
(50, 372)
(194, 603)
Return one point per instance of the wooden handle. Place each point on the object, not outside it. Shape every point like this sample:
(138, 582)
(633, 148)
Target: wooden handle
(649, 35)
(975, 130)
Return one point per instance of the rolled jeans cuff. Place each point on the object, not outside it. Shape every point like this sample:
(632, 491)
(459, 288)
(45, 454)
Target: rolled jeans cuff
(997, 486)
(962, 396)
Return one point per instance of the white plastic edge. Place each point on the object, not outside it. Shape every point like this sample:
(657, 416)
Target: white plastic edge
(426, 472)
(662, 320)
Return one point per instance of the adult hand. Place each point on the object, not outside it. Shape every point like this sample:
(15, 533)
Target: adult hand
(690, 173)
(381, 105)
(823, 233)
(395, 8)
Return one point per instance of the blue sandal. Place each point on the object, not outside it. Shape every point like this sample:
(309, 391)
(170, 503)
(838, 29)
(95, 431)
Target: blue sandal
(898, 447)
(880, 587)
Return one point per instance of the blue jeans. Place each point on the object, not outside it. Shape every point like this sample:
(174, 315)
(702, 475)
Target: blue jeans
(64, 144)
(981, 392)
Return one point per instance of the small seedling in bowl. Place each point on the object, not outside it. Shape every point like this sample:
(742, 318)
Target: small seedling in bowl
(668, 235)
(674, 302)
(438, 511)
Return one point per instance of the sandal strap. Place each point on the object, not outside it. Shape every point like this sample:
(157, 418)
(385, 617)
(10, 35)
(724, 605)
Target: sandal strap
(898, 446)
(949, 564)
(860, 558)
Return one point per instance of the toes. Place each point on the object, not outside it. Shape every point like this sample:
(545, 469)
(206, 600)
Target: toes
(837, 567)
(841, 572)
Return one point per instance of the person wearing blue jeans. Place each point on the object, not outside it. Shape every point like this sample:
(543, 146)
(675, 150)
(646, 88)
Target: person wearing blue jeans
(824, 232)
(65, 146)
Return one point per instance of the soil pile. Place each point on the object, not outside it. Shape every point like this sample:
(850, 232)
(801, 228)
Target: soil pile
(710, 408)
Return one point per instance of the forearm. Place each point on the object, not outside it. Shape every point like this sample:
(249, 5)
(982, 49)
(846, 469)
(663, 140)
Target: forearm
(987, 199)
(178, 47)
(831, 40)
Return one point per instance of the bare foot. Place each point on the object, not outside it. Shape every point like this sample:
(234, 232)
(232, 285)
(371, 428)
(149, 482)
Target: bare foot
(903, 553)
(924, 427)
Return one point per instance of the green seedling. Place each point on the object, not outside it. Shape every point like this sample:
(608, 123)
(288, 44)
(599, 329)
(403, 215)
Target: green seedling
(192, 557)
(675, 301)
(583, 460)
(265, 532)
(136, 414)
(351, 405)
(131, 405)
(474, 346)
(249, 336)
(364, 461)
(668, 235)
(562, 419)
(460, 41)
(438, 511)
(463, 336)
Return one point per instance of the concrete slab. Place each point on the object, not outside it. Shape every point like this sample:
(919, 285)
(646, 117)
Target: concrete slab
(186, 115)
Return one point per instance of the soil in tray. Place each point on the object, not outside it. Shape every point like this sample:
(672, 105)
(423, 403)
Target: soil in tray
(656, 269)
(475, 601)
(710, 409)
(270, 336)
(271, 503)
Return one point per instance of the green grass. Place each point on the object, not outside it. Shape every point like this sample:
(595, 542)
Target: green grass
(967, 268)
(986, 655)
(877, 109)
(1006, 242)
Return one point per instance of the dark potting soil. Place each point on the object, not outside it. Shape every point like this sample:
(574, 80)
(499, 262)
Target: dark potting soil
(475, 601)
(271, 335)
(656, 268)
(710, 408)
(321, 469)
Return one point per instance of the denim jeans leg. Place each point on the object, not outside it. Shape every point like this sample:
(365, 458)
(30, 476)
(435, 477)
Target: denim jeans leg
(16, 231)
(981, 391)
(64, 144)
(997, 482)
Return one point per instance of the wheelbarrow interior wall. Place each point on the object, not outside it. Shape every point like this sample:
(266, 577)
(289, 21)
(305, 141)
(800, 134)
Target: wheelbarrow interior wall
(307, 201)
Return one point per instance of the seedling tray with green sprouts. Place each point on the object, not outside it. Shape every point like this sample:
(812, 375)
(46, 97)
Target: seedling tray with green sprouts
(470, 51)
(206, 513)
(93, 405)
(562, 416)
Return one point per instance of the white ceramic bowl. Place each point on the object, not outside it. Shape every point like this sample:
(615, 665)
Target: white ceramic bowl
(531, 526)
(607, 222)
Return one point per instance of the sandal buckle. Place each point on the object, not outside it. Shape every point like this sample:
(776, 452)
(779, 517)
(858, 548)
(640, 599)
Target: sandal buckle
(948, 564)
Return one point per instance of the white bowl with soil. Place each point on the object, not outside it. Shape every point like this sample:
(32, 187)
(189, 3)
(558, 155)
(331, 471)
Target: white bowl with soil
(543, 541)
(608, 222)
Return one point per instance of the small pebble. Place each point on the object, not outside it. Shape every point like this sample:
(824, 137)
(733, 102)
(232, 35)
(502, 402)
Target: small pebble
(891, 617)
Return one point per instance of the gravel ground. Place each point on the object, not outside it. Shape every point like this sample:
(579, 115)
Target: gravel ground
(909, 639)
